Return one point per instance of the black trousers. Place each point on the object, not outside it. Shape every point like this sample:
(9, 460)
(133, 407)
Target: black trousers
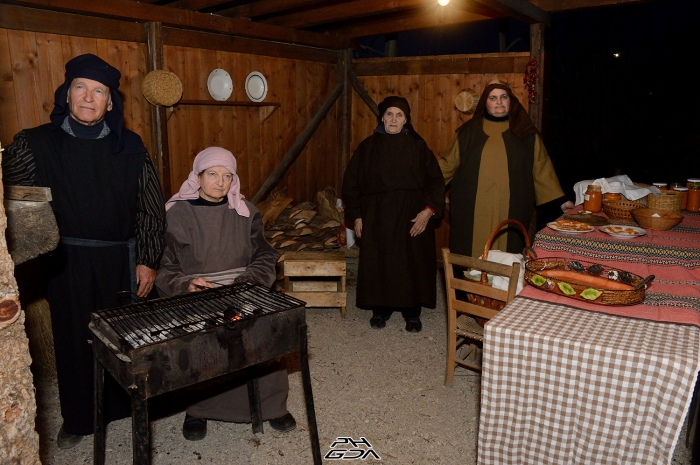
(406, 312)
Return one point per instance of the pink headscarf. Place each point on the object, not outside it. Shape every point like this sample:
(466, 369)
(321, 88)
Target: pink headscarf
(208, 158)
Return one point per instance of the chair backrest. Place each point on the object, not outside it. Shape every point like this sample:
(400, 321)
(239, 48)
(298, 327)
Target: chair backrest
(483, 300)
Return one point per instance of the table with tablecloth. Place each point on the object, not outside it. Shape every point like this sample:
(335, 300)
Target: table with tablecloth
(572, 382)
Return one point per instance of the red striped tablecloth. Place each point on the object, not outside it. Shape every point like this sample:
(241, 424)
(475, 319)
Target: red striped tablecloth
(568, 382)
(672, 256)
(562, 385)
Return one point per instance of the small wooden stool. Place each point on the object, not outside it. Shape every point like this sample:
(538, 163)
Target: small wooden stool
(327, 290)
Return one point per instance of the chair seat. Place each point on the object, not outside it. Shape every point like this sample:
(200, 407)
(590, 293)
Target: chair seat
(468, 327)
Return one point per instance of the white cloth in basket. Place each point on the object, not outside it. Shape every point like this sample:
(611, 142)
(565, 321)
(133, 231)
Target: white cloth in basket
(621, 184)
(504, 258)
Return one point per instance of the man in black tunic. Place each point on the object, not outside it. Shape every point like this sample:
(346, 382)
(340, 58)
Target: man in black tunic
(110, 216)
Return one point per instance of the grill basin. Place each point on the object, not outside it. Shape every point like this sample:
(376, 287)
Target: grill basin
(157, 346)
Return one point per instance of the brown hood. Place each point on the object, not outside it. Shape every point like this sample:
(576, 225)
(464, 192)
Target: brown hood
(520, 122)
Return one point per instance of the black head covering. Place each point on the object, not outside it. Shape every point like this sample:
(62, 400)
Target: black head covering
(519, 121)
(89, 66)
(402, 104)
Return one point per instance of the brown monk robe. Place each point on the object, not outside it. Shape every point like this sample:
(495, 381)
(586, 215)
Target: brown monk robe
(498, 169)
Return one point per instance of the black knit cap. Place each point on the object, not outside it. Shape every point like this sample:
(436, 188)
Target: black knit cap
(89, 66)
(394, 101)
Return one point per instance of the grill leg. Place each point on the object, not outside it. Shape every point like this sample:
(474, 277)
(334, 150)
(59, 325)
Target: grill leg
(141, 439)
(308, 395)
(255, 408)
(99, 425)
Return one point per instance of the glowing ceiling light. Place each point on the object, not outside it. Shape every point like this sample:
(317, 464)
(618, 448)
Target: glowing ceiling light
(616, 55)
(443, 2)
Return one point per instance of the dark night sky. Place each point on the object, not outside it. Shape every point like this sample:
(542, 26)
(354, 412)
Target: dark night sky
(635, 114)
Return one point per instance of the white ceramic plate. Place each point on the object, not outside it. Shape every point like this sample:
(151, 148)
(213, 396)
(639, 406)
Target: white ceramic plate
(256, 86)
(623, 232)
(219, 84)
(553, 226)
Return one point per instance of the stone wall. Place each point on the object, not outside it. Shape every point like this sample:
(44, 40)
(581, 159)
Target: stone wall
(19, 442)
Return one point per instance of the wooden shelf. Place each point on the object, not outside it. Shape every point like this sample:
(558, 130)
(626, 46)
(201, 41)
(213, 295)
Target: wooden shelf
(266, 108)
(227, 103)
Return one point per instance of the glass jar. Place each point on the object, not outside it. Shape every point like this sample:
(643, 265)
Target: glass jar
(612, 196)
(693, 197)
(684, 191)
(692, 181)
(662, 186)
(593, 199)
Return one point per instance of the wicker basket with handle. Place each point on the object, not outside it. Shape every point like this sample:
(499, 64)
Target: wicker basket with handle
(481, 300)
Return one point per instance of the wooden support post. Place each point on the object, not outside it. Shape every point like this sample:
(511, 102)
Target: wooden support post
(296, 148)
(537, 54)
(344, 117)
(159, 118)
(364, 95)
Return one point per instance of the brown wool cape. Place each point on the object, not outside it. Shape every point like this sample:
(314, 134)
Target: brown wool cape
(389, 180)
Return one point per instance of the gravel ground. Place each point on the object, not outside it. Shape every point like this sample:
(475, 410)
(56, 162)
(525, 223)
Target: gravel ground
(384, 385)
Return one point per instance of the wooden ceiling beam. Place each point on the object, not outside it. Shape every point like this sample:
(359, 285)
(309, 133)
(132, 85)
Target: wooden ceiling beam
(423, 20)
(519, 9)
(195, 4)
(347, 11)
(565, 5)
(264, 7)
(175, 17)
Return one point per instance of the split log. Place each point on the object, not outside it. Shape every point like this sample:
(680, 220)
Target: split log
(270, 234)
(303, 215)
(299, 232)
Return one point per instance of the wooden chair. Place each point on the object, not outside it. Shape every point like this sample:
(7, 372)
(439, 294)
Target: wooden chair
(476, 303)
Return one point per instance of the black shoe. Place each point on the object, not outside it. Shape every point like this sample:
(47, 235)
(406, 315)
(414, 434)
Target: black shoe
(67, 440)
(285, 423)
(193, 428)
(413, 325)
(377, 322)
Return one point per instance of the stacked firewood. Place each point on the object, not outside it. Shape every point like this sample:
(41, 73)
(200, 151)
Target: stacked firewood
(301, 227)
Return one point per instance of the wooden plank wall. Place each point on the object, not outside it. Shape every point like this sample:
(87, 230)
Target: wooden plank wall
(299, 86)
(32, 67)
(431, 97)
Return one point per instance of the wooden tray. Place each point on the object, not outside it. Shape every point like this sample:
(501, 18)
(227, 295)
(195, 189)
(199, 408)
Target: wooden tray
(606, 297)
(593, 220)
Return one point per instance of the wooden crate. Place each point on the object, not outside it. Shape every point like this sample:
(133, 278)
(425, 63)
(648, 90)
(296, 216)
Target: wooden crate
(317, 278)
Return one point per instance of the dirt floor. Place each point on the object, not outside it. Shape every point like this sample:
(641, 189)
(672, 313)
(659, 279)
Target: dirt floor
(382, 385)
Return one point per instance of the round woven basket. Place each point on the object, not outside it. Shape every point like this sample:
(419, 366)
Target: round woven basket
(667, 200)
(620, 210)
(162, 88)
(467, 100)
(663, 221)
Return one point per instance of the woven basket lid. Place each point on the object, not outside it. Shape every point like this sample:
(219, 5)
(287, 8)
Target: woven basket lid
(162, 88)
(467, 100)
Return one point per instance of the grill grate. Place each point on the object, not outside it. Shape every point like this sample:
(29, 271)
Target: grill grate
(160, 320)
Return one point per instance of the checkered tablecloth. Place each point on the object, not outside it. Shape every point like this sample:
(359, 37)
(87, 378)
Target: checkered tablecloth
(562, 385)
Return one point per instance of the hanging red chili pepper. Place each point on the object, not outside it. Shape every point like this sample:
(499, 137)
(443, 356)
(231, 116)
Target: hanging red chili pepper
(530, 79)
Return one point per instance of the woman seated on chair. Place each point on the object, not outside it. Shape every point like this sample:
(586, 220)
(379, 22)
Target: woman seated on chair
(215, 237)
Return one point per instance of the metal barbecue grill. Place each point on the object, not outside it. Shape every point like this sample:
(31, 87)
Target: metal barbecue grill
(157, 346)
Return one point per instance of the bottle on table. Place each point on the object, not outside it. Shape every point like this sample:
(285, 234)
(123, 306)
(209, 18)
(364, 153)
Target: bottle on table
(683, 190)
(593, 199)
(693, 197)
